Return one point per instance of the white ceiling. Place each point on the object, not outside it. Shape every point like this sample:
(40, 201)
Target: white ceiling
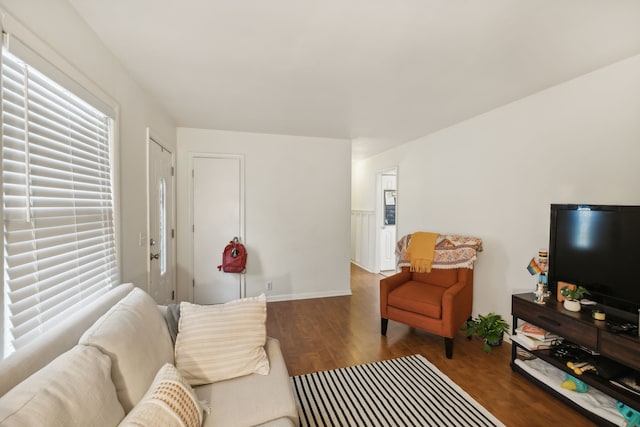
(379, 72)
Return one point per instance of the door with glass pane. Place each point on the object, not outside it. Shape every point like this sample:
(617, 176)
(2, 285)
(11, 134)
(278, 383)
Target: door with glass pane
(161, 232)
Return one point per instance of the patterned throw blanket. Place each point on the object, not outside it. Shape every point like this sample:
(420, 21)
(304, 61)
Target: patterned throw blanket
(451, 251)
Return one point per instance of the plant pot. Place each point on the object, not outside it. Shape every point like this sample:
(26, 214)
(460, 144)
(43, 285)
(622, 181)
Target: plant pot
(571, 305)
(496, 343)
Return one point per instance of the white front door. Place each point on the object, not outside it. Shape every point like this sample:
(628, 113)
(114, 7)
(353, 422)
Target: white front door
(161, 229)
(218, 212)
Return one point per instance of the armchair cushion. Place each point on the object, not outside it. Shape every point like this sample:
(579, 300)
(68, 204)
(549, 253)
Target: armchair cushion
(438, 277)
(418, 298)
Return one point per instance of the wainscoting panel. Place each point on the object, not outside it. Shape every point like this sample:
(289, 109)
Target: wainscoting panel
(363, 239)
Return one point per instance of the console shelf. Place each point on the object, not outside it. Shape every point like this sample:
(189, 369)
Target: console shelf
(581, 329)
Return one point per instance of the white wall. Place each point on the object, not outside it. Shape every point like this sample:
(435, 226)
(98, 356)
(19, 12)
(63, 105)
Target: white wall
(53, 26)
(495, 175)
(297, 199)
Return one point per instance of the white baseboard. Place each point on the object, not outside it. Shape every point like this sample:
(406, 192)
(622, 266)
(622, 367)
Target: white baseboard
(308, 295)
(369, 268)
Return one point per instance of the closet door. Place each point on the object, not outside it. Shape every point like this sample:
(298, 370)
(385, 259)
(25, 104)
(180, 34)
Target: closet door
(218, 217)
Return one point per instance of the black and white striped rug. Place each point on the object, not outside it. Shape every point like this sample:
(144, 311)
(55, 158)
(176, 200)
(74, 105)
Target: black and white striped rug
(408, 391)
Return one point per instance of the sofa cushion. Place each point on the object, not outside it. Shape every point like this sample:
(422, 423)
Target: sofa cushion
(169, 402)
(217, 342)
(271, 398)
(411, 296)
(60, 338)
(134, 335)
(75, 389)
(280, 422)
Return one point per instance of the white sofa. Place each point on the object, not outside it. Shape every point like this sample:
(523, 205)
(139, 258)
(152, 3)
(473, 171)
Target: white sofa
(94, 367)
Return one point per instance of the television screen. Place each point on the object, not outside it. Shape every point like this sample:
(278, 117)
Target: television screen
(597, 247)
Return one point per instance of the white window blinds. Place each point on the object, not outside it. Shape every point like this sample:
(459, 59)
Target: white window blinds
(59, 236)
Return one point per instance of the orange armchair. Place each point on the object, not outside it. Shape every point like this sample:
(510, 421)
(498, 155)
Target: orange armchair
(439, 302)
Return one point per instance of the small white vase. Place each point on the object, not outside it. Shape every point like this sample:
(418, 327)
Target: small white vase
(572, 305)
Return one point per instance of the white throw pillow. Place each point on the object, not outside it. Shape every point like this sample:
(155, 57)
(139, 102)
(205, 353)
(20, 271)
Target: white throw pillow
(134, 334)
(169, 402)
(218, 342)
(75, 389)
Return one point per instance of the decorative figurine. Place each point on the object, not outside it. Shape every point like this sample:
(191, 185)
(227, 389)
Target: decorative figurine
(539, 267)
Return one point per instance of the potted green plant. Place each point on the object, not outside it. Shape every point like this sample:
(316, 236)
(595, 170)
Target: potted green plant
(573, 295)
(490, 328)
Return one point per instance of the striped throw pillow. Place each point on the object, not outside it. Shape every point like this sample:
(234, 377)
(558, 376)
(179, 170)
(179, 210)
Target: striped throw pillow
(219, 342)
(169, 402)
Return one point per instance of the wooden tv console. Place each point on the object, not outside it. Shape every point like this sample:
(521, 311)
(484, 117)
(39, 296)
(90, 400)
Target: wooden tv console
(578, 328)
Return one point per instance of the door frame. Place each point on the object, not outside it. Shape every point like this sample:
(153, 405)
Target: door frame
(153, 138)
(190, 240)
(380, 212)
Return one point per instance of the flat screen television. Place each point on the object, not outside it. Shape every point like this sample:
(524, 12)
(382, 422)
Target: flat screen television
(598, 247)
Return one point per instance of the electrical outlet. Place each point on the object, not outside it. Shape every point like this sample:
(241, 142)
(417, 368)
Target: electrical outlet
(269, 285)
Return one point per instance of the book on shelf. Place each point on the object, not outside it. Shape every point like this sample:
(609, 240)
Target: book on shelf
(532, 343)
(537, 332)
(629, 383)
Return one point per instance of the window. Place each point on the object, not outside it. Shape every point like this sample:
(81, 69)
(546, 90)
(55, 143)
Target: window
(163, 226)
(57, 199)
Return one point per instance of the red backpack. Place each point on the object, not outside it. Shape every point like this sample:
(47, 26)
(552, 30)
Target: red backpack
(234, 257)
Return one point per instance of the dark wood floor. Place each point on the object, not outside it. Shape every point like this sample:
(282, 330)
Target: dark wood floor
(328, 333)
